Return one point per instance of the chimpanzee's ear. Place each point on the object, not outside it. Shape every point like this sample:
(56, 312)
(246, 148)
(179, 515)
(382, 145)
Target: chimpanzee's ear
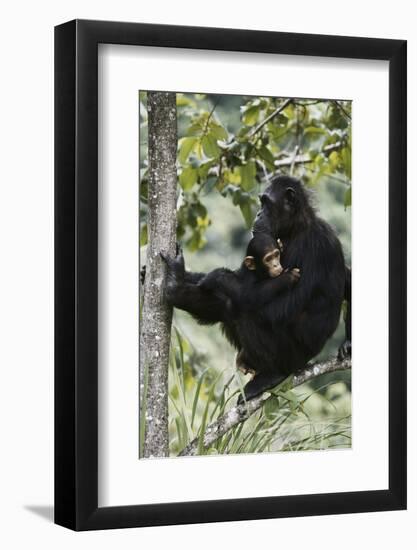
(290, 195)
(249, 262)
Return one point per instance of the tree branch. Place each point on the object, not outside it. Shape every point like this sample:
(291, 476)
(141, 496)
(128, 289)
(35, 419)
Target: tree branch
(242, 412)
(271, 116)
(209, 117)
(338, 104)
(304, 159)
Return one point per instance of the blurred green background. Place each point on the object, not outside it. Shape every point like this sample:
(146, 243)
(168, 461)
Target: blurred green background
(226, 156)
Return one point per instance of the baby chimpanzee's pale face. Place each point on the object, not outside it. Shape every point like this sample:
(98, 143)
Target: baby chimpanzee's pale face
(271, 261)
(264, 256)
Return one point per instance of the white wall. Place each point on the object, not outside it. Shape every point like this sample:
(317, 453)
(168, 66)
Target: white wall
(26, 291)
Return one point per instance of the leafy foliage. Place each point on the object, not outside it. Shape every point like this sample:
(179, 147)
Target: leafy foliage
(310, 139)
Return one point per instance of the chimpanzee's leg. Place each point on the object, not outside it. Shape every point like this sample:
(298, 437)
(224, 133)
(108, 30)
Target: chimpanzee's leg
(262, 382)
(345, 349)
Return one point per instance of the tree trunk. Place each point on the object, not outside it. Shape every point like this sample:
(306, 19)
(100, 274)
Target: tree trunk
(156, 314)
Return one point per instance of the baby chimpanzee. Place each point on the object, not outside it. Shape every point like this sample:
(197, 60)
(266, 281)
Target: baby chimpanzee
(247, 289)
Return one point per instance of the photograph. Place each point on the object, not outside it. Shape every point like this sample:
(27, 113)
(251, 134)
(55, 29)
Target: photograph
(245, 274)
(208, 334)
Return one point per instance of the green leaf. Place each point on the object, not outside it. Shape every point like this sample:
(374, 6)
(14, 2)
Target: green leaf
(218, 132)
(291, 398)
(203, 424)
(204, 168)
(197, 396)
(143, 234)
(271, 407)
(334, 159)
(289, 395)
(251, 115)
(188, 178)
(194, 242)
(200, 210)
(347, 161)
(247, 174)
(248, 213)
(144, 190)
(195, 129)
(185, 146)
(267, 157)
(183, 101)
(314, 130)
(210, 147)
(319, 159)
(348, 197)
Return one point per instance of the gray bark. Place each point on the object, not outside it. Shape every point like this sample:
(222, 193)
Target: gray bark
(240, 413)
(156, 314)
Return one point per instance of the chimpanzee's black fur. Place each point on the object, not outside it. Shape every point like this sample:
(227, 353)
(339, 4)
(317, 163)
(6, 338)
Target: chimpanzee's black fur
(282, 334)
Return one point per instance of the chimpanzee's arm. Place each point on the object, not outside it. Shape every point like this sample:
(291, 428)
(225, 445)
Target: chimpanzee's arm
(183, 292)
(206, 306)
(189, 276)
(264, 291)
(224, 283)
(193, 277)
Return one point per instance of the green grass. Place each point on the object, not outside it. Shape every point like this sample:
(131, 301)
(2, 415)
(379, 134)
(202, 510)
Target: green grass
(297, 420)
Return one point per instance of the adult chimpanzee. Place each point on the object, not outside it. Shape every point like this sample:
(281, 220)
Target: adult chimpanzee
(300, 319)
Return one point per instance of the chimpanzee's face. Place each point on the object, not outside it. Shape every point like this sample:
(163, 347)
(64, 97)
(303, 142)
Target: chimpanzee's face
(263, 255)
(271, 262)
(279, 203)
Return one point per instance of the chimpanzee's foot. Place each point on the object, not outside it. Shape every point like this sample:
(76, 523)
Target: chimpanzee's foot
(247, 370)
(345, 350)
(242, 368)
(260, 383)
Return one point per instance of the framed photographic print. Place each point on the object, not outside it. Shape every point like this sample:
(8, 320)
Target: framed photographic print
(230, 336)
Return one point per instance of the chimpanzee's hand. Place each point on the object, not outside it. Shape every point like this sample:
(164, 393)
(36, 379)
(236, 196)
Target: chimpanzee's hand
(176, 266)
(292, 276)
(175, 272)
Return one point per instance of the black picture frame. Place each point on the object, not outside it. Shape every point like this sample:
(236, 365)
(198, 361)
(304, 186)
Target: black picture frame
(76, 272)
